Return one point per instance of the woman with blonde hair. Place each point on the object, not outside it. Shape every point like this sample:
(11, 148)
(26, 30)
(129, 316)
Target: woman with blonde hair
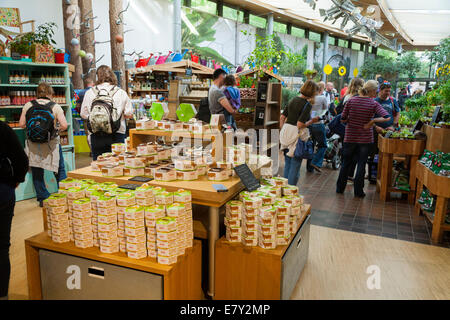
(358, 114)
(296, 116)
(106, 107)
(43, 120)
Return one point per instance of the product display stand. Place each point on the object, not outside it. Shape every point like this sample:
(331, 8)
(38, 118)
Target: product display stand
(203, 194)
(440, 187)
(254, 273)
(437, 138)
(12, 112)
(108, 276)
(217, 139)
(412, 149)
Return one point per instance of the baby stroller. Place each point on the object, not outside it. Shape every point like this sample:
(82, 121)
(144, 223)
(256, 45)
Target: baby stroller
(335, 138)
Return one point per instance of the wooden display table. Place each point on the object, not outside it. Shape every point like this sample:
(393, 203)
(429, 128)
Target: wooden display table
(178, 281)
(440, 187)
(254, 273)
(412, 149)
(215, 138)
(203, 193)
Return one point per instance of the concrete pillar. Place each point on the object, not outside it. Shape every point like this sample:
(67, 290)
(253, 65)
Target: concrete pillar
(270, 24)
(325, 54)
(177, 25)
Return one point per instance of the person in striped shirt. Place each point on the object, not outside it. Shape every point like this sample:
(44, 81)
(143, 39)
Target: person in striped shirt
(358, 115)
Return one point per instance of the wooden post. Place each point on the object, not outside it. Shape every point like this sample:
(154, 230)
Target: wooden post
(87, 40)
(117, 49)
(71, 22)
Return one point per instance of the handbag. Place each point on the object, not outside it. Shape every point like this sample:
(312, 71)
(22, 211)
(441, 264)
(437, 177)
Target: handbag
(304, 149)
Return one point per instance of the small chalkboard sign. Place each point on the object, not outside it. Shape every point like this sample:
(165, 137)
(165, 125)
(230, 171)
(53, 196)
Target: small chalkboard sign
(140, 179)
(189, 72)
(417, 126)
(259, 115)
(129, 186)
(436, 115)
(247, 177)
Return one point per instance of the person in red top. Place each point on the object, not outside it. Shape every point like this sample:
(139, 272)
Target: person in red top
(344, 90)
(358, 115)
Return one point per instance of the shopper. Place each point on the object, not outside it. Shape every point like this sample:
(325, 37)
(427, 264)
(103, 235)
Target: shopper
(358, 114)
(234, 98)
(217, 100)
(42, 146)
(329, 94)
(296, 116)
(105, 99)
(402, 97)
(317, 130)
(88, 84)
(344, 91)
(13, 168)
(390, 105)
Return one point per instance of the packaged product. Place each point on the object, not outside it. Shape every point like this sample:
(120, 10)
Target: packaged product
(234, 206)
(283, 209)
(133, 172)
(83, 236)
(164, 197)
(118, 148)
(112, 171)
(84, 243)
(129, 223)
(140, 246)
(107, 234)
(134, 162)
(154, 212)
(134, 212)
(187, 175)
(57, 200)
(283, 218)
(68, 183)
(237, 215)
(252, 203)
(145, 201)
(234, 230)
(133, 232)
(136, 239)
(83, 204)
(268, 212)
(167, 260)
(267, 244)
(81, 221)
(166, 224)
(106, 201)
(144, 191)
(182, 196)
(75, 193)
(250, 233)
(109, 249)
(233, 238)
(268, 199)
(184, 165)
(167, 236)
(106, 219)
(175, 210)
(165, 174)
(296, 211)
(145, 124)
(290, 190)
(248, 225)
(267, 229)
(63, 224)
(57, 210)
(60, 239)
(59, 217)
(150, 159)
(137, 254)
(82, 228)
(250, 241)
(284, 232)
(218, 174)
(126, 199)
(107, 227)
(107, 211)
(282, 241)
(280, 181)
(232, 223)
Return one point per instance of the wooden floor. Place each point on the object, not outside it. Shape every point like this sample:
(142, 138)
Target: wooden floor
(336, 268)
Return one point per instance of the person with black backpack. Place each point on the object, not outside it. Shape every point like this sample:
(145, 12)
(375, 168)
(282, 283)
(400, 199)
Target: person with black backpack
(42, 120)
(105, 107)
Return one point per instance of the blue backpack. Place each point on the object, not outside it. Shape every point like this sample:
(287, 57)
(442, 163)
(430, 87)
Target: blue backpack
(40, 122)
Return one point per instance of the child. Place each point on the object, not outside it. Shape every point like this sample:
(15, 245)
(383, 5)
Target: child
(234, 97)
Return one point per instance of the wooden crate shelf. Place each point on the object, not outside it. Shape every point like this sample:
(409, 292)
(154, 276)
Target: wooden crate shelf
(440, 187)
(412, 149)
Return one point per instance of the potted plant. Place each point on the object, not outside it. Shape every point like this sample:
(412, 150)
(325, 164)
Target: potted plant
(310, 74)
(37, 44)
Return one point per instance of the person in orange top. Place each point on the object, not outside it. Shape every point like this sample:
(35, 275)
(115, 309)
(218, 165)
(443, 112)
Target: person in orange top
(344, 90)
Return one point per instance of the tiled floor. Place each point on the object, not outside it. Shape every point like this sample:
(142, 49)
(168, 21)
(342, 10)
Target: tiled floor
(394, 219)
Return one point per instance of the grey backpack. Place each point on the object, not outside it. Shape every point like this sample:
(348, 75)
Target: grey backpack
(103, 116)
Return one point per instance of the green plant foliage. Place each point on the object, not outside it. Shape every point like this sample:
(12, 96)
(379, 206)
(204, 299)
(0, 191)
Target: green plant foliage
(203, 23)
(43, 35)
(293, 64)
(441, 57)
(246, 82)
(266, 55)
(287, 95)
(405, 65)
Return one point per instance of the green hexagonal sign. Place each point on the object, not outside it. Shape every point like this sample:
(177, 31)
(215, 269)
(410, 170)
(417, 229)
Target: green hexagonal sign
(186, 111)
(159, 110)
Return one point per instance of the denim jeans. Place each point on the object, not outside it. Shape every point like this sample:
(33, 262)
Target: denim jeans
(353, 152)
(292, 169)
(7, 203)
(101, 143)
(318, 134)
(39, 181)
(229, 119)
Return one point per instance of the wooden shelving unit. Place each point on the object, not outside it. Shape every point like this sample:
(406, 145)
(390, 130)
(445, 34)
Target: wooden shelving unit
(440, 187)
